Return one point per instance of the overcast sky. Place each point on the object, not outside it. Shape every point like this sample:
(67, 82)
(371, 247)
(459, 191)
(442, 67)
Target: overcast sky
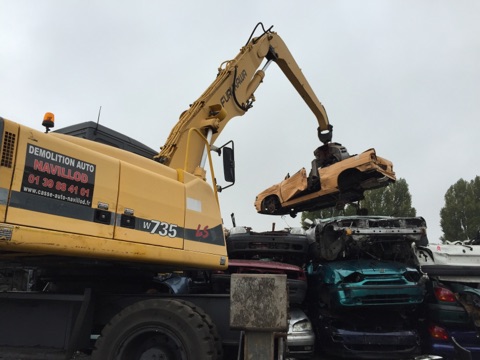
(400, 76)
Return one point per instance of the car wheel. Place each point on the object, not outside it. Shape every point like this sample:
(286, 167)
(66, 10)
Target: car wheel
(271, 205)
(349, 180)
(157, 329)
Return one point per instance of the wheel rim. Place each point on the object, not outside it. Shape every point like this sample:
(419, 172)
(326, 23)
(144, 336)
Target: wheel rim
(271, 205)
(151, 343)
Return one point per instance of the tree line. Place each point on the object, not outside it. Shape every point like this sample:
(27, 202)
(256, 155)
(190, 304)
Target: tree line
(459, 217)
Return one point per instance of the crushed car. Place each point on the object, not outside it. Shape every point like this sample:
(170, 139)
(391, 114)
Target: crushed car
(372, 237)
(455, 261)
(365, 308)
(364, 292)
(296, 278)
(452, 303)
(366, 282)
(451, 319)
(273, 252)
(356, 336)
(289, 246)
(300, 336)
(335, 179)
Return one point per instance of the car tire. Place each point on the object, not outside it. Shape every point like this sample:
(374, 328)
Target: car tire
(349, 180)
(271, 205)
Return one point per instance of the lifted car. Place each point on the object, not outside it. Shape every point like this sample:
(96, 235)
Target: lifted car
(334, 180)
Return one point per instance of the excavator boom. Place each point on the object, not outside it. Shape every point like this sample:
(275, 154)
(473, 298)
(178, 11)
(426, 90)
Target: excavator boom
(232, 94)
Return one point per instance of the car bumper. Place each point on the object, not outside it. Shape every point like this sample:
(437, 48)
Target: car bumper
(352, 296)
(466, 339)
(301, 344)
(369, 345)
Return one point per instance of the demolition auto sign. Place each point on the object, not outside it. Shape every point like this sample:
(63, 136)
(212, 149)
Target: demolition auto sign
(53, 175)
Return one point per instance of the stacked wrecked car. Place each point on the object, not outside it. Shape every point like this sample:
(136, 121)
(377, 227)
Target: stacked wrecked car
(364, 291)
(364, 294)
(452, 303)
(274, 252)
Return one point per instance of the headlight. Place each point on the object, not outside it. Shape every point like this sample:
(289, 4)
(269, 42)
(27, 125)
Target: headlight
(303, 325)
(355, 277)
(412, 276)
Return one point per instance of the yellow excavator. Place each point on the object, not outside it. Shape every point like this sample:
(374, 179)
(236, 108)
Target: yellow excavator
(106, 245)
(67, 196)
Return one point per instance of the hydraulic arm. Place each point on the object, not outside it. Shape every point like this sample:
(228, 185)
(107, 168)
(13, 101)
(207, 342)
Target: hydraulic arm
(232, 94)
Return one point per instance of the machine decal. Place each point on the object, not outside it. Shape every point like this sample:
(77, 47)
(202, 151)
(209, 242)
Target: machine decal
(202, 233)
(47, 205)
(206, 235)
(160, 227)
(6, 232)
(56, 176)
(228, 94)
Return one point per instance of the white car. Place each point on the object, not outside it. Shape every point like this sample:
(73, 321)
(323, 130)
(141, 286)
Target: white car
(300, 337)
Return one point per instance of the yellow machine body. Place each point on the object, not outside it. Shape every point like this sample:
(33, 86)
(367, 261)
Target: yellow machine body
(69, 196)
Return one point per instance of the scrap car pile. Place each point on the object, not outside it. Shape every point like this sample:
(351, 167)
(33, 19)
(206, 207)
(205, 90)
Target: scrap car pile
(274, 252)
(364, 296)
(360, 290)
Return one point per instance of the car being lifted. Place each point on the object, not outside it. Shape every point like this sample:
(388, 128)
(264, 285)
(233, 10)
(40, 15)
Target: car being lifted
(336, 178)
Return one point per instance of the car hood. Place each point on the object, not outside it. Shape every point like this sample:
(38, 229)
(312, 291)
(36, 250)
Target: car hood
(296, 315)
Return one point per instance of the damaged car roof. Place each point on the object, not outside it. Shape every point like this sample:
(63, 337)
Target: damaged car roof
(377, 237)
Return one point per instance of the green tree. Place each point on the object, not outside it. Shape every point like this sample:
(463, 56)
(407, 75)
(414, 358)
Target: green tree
(392, 200)
(460, 216)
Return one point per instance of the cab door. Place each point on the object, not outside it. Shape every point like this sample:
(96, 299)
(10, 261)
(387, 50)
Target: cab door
(151, 206)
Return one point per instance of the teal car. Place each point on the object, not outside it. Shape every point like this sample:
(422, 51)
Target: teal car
(366, 308)
(366, 282)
